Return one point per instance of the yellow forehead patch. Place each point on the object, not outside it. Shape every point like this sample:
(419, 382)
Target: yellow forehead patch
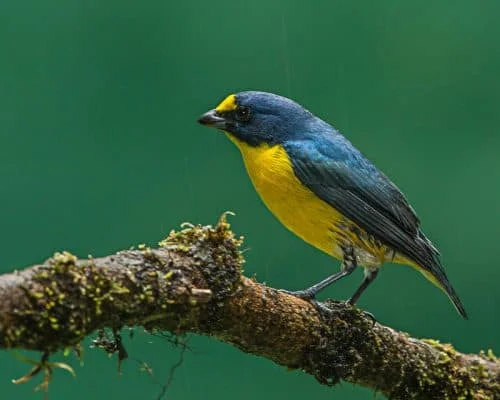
(228, 104)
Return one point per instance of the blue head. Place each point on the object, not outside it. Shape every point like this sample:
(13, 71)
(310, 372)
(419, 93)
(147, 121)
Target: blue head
(259, 117)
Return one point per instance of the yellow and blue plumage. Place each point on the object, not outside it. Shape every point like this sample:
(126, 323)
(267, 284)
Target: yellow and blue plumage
(325, 191)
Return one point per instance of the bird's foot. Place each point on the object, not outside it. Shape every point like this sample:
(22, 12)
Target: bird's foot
(309, 296)
(322, 308)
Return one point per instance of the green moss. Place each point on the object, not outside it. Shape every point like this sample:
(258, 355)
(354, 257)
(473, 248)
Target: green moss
(65, 297)
(68, 298)
(461, 381)
(489, 355)
(211, 248)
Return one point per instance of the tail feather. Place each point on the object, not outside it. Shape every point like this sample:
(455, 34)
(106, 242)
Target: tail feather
(425, 258)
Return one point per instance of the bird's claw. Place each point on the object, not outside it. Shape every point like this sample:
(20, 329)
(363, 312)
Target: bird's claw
(309, 296)
(322, 307)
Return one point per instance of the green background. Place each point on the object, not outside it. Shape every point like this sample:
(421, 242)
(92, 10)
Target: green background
(100, 150)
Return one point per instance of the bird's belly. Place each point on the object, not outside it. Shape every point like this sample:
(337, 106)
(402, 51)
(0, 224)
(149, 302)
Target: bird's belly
(299, 209)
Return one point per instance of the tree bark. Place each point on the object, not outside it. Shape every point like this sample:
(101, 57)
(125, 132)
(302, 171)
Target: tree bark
(193, 282)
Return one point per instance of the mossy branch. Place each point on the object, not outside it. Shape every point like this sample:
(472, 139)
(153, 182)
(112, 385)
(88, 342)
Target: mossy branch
(193, 283)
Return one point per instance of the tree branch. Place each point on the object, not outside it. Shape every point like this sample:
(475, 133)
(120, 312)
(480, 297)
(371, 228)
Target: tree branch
(193, 283)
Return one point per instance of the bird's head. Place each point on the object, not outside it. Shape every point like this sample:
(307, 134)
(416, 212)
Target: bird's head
(257, 118)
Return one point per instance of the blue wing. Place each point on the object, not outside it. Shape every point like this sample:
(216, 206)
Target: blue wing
(339, 174)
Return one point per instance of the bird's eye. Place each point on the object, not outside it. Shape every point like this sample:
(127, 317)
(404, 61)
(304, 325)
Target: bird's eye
(242, 114)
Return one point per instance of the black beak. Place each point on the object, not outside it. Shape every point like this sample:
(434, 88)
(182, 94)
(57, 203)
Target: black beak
(213, 119)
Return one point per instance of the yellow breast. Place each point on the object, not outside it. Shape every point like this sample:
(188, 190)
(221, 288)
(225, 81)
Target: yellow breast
(295, 206)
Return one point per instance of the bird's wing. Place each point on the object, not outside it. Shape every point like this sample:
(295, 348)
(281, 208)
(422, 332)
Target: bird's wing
(335, 171)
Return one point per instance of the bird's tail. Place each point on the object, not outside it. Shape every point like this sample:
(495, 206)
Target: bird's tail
(425, 258)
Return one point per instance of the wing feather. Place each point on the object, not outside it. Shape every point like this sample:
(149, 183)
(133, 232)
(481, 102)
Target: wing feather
(333, 169)
(346, 180)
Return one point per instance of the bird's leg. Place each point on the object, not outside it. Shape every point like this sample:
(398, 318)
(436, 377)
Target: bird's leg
(348, 266)
(311, 292)
(370, 275)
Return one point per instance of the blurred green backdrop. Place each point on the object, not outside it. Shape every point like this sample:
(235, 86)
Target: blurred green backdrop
(100, 150)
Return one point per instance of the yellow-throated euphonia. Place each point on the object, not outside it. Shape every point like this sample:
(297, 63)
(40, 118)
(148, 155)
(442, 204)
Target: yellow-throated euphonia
(325, 191)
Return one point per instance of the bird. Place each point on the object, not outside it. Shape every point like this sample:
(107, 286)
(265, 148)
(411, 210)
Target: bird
(320, 187)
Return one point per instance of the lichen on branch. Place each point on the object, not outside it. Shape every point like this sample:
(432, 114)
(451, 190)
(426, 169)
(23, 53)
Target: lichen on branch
(193, 282)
